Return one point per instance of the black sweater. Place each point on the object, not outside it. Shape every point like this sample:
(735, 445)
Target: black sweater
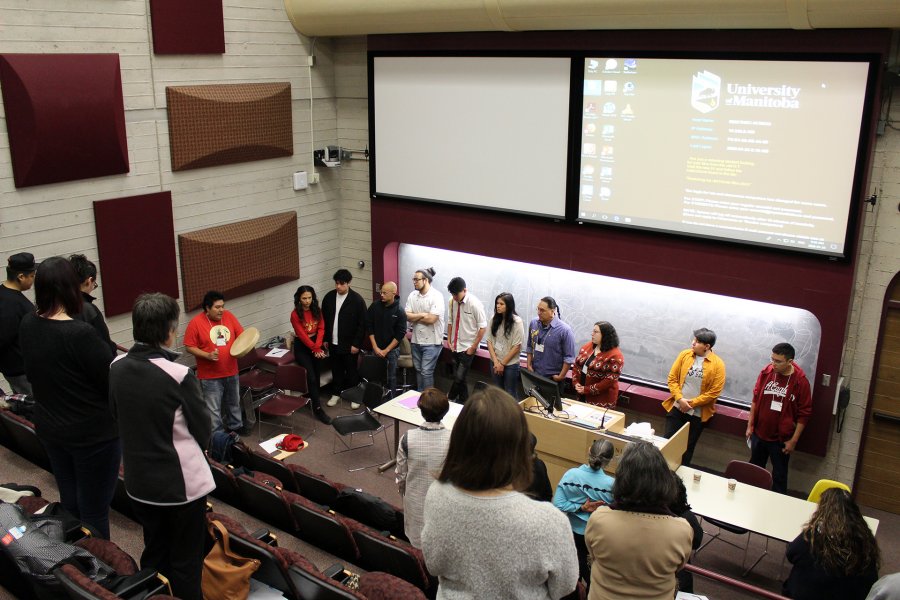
(13, 306)
(67, 365)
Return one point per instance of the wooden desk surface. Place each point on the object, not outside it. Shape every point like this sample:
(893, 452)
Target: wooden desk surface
(392, 408)
(762, 511)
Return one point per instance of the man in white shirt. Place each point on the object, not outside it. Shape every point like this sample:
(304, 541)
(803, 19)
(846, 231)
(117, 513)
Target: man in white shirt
(345, 330)
(425, 312)
(465, 328)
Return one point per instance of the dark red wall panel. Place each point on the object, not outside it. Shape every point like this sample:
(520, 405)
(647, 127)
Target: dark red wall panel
(136, 243)
(64, 115)
(187, 26)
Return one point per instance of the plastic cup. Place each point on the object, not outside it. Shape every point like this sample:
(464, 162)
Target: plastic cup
(696, 477)
(732, 483)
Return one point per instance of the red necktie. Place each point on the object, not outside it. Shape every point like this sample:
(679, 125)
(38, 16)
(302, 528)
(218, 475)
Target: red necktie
(456, 325)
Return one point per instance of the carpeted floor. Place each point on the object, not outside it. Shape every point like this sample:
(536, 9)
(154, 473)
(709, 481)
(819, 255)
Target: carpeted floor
(318, 457)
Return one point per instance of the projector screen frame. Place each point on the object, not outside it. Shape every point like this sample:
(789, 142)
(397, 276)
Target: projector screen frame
(865, 139)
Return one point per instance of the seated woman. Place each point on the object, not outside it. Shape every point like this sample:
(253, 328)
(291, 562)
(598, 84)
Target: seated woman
(681, 508)
(483, 538)
(583, 490)
(419, 460)
(636, 544)
(309, 329)
(597, 367)
(506, 335)
(836, 555)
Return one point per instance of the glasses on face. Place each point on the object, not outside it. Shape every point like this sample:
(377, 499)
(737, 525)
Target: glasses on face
(95, 286)
(418, 279)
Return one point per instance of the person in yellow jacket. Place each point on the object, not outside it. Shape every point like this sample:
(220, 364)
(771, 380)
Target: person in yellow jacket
(695, 380)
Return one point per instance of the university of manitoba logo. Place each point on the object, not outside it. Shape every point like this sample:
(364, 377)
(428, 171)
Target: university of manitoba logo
(706, 89)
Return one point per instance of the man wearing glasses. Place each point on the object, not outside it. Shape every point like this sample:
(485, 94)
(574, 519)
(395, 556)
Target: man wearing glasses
(425, 311)
(782, 405)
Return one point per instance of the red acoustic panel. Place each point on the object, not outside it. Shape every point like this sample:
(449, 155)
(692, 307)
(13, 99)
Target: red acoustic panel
(136, 243)
(239, 258)
(64, 115)
(187, 26)
(213, 125)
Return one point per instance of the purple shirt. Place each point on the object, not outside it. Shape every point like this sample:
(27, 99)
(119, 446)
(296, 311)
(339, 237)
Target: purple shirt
(559, 346)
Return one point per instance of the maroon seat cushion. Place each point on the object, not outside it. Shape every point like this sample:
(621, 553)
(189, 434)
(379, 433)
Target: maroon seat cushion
(109, 553)
(384, 586)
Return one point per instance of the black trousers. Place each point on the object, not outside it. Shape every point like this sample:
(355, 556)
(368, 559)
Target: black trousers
(459, 389)
(174, 540)
(344, 369)
(674, 420)
(304, 357)
(761, 451)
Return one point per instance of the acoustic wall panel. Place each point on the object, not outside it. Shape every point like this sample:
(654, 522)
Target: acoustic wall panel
(65, 116)
(212, 125)
(193, 27)
(136, 244)
(239, 258)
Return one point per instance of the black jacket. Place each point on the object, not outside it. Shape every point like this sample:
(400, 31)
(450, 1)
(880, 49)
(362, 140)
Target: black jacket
(351, 320)
(91, 315)
(386, 322)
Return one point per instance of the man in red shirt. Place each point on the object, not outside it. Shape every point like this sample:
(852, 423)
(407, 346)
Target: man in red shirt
(782, 405)
(209, 337)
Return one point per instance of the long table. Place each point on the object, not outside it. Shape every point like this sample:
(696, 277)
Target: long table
(758, 510)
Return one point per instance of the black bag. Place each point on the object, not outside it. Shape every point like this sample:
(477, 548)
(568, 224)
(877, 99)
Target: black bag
(36, 548)
(371, 510)
(220, 446)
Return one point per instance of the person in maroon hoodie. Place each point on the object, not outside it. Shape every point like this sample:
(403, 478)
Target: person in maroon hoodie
(782, 405)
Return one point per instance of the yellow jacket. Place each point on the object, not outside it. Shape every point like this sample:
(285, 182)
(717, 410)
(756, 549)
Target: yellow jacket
(710, 387)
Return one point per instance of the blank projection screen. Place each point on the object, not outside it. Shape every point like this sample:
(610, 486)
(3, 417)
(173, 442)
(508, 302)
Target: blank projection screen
(763, 152)
(490, 132)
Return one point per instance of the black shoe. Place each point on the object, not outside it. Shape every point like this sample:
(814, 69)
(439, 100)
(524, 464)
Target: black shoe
(322, 415)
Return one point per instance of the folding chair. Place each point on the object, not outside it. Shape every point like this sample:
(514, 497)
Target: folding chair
(823, 484)
(365, 422)
(281, 404)
(372, 369)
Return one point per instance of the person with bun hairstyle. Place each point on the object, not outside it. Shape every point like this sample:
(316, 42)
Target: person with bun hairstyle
(483, 538)
(90, 314)
(425, 312)
(580, 492)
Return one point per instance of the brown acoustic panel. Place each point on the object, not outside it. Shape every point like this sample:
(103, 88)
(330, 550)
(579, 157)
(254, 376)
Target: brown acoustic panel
(187, 26)
(136, 245)
(64, 115)
(213, 125)
(239, 258)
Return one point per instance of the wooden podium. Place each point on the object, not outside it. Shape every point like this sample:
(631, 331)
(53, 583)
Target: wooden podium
(563, 445)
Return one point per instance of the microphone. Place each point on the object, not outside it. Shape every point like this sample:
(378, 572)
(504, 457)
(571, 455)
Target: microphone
(603, 419)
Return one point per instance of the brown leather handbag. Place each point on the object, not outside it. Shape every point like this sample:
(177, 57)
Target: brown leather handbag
(226, 575)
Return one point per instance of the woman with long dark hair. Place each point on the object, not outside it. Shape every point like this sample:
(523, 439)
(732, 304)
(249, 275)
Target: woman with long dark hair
(90, 314)
(483, 538)
(636, 543)
(836, 555)
(68, 366)
(504, 341)
(309, 330)
(597, 367)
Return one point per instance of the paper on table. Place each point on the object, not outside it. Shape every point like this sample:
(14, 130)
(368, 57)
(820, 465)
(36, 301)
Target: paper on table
(261, 591)
(411, 403)
(277, 352)
(686, 596)
(269, 445)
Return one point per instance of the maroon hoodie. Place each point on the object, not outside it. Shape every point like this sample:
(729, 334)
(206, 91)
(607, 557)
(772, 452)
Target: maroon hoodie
(796, 403)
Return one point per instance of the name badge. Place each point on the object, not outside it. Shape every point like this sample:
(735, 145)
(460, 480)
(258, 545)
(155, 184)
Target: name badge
(221, 341)
(538, 347)
(776, 405)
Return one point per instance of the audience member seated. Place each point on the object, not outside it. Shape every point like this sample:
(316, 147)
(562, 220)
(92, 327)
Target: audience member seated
(636, 544)
(309, 328)
(68, 366)
(681, 508)
(419, 458)
(506, 334)
(482, 537)
(836, 555)
(540, 488)
(597, 367)
(583, 490)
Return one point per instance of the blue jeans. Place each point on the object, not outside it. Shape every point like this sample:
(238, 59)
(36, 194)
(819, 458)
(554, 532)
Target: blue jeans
(223, 401)
(509, 381)
(86, 477)
(392, 357)
(425, 357)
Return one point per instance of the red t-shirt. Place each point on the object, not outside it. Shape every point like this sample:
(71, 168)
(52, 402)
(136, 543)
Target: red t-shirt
(310, 331)
(207, 335)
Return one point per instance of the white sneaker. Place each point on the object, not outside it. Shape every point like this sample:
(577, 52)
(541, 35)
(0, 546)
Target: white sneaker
(333, 402)
(354, 405)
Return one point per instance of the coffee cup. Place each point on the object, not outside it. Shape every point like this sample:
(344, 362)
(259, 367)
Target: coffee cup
(732, 483)
(696, 477)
